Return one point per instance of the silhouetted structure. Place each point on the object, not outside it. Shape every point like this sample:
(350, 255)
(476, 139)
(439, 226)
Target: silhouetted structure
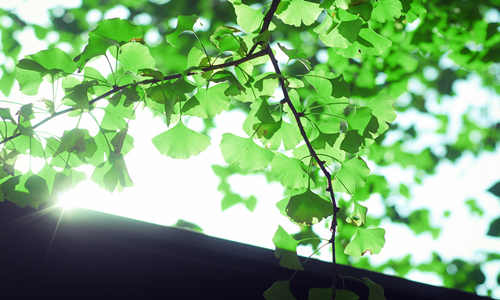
(94, 254)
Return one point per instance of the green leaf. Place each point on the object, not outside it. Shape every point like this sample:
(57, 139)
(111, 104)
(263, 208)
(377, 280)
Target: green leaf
(379, 42)
(54, 60)
(184, 23)
(352, 141)
(351, 176)
(210, 102)
(112, 173)
(188, 225)
(135, 56)
(107, 33)
(248, 18)
(308, 208)
(494, 229)
(279, 290)
(326, 294)
(291, 172)
(286, 250)
(375, 291)
(329, 34)
(296, 54)
(386, 10)
(29, 81)
(181, 142)
(358, 216)
(369, 240)
(297, 12)
(244, 153)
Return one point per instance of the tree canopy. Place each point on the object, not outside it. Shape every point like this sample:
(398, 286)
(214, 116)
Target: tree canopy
(315, 121)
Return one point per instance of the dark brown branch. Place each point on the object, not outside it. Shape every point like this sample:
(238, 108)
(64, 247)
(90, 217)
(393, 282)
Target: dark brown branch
(313, 153)
(147, 81)
(267, 21)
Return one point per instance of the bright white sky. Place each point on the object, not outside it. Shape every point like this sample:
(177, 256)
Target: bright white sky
(166, 189)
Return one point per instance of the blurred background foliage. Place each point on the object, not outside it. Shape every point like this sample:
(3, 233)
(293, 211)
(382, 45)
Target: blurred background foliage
(434, 45)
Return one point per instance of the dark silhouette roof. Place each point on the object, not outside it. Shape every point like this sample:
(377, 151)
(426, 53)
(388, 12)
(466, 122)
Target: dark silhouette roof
(95, 254)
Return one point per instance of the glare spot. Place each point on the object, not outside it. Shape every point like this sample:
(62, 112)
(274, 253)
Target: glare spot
(5, 21)
(430, 73)
(52, 37)
(159, 2)
(172, 23)
(118, 11)
(413, 25)
(201, 24)
(58, 11)
(93, 16)
(381, 77)
(143, 19)
(492, 16)
(64, 46)
(322, 56)
(152, 37)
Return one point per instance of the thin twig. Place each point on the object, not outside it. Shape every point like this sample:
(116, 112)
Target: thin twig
(267, 21)
(147, 81)
(313, 153)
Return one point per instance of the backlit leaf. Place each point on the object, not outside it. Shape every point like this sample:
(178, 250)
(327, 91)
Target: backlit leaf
(386, 10)
(351, 176)
(286, 249)
(364, 241)
(308, 208)
(244, 153)
(297, 12)
(181, 142)
(135, 56)
(184, 23)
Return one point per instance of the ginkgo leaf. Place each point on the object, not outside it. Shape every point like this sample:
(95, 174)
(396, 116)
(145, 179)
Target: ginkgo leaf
(375, 291)
(286, 250)
(358, 215)
(308, 208)
(108, 32)
(209, 102)
(51, 61)
(181, 142)
(369, 240)
(184, 23)
(386, 10)
(291, 172)
(135, 56)
(297, 12)
(244, 153)
(326, 293)
(352, 141)
(279, 290)
(379, 42)
(351, 176)
(248, 18)
(331, 37)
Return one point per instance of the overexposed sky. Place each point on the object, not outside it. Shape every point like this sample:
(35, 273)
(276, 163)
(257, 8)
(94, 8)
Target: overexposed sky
(166, 189)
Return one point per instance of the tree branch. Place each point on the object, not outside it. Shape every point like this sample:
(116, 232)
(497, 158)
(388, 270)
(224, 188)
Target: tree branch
(147, 81)
(267, 21)
(313, 153)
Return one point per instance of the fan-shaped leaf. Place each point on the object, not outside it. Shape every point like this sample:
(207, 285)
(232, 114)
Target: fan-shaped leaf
(308, 208)
(366, 240)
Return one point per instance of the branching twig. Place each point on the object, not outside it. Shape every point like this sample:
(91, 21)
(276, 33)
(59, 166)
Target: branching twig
(267, 21)
(147, 81)
(313, 153)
